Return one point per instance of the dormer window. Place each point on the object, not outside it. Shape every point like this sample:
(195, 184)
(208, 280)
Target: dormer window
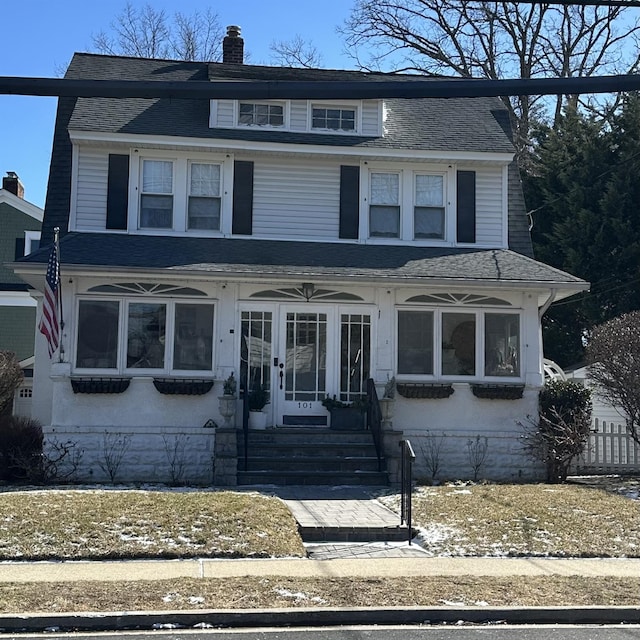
(261, 114)
(333, 119)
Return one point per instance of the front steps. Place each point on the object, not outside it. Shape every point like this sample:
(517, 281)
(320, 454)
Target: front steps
(310, 456)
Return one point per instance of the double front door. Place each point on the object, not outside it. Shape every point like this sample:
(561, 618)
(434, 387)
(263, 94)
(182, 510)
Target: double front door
(301, 354)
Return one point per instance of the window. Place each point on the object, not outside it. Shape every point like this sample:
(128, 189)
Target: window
(384, 205)
(461, 344)
(334, 119)
(355, 354)
(204, 197)
(156, 199)
(130, 334)
(31, 242)
(252, 113)
(97, 346)
(415, 342)
(428, 210)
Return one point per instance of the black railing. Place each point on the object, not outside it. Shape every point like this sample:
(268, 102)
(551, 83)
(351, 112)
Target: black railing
(407, 458)
(374, 419)
(245, 426)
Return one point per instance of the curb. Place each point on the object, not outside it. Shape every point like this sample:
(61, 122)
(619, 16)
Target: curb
(112, 621)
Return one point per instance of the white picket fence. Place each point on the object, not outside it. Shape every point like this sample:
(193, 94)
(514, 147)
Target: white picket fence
(610, 450)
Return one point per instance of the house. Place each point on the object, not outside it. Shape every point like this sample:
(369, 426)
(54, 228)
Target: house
(306, 245)
(20, 222)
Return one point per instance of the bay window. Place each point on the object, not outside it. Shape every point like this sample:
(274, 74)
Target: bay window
(159, 336)
(461, 343)
(156, 198)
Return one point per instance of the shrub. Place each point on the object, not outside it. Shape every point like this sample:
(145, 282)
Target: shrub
(562, 430)
(11, 376)
(20, 449)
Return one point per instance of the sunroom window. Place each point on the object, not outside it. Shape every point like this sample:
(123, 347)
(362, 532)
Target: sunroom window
(97, 346)
(204, 196)
(458, 344)
(146, 337)
(502, 344)
(384, 206)
(156, 199)
(415, 342)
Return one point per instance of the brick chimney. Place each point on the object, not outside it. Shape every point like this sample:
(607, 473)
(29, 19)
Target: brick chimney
(233, 46)
(12, 183)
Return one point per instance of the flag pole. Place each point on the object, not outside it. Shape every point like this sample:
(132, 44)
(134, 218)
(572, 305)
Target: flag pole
(56, 242)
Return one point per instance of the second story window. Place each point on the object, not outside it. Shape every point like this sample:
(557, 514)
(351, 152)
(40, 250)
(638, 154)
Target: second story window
(333, 119)
(156, 199)
(252, 113)
(429, 207)
(384, 205)
(204, 196)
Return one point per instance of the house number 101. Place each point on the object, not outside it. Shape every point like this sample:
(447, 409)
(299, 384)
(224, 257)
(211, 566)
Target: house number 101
(305, 405)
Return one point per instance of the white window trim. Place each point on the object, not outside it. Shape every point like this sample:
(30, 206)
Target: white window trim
(479, 314)
(190, 162)
(407, 202)
(286, 114)
(181, 164)
(29, 237)
(121, 369)
(173, 194)
(355, 105)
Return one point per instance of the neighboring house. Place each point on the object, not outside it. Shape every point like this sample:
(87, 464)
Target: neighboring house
(308, 245)
(20, 223)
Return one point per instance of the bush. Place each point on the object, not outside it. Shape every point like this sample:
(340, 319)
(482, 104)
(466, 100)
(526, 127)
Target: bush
(11, 376)
(562, 430)
(20, 449)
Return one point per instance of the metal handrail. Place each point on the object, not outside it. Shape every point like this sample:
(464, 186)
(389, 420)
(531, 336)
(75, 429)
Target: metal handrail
(374, 419)
(407, 458)
(245, 426)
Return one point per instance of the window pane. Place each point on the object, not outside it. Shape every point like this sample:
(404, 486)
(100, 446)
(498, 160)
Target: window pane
(385, 188)
(428, 222)
(205, 180)
(157, 176)
(501, 344)
(193, 337)
(204, 213)
(384, 222)
(429, 191)
(156, 212)
(458, 344)
(97, 334)
(415, 342)
(146, 336)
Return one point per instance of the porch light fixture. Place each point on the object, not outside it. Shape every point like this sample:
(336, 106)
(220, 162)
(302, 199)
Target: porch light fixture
(308, 290)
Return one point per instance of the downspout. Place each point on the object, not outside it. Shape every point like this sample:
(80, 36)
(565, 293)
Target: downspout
(545, 307)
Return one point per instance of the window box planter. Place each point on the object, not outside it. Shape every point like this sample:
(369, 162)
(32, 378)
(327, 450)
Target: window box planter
(498, 391)
(177, 386)
(346, 418)
(100, 385)
(424, 390)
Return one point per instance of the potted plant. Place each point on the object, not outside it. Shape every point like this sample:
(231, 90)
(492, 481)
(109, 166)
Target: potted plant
(346, 416)
(227, 401)
(259, 397)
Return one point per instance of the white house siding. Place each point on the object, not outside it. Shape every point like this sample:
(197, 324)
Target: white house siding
(91, 198)
(489, 206)
(225, 113)
(298, 116)
(296, 200)
(371, 117)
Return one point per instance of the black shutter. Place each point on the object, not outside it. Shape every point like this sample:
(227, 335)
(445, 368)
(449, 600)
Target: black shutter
(19, 248)
(466, 198)
(117, 191)
(242, 198)
(349, 202)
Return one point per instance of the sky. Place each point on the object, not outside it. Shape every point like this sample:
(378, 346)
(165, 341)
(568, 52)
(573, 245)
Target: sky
(39, 38)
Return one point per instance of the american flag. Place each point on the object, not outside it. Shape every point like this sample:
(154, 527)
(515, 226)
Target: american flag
(49, 325)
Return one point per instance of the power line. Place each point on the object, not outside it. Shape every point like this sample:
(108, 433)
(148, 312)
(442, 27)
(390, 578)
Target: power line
(317, 89)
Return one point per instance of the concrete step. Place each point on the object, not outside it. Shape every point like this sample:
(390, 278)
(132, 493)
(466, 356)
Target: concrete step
(291, 478)
(354, 534)
(306, 435)
(313, 464)
(309, 450)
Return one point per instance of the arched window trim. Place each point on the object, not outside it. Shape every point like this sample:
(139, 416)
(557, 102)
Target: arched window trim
(146, 289)
(461, 299)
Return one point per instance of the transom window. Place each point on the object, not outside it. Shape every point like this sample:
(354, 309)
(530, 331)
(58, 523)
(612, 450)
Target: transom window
(252, 113)
(334, 119)
(156, 199)
(204, 196)
(160, 336)
(467, 345)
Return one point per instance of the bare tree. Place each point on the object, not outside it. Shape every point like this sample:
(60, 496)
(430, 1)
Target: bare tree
(151, 33)
(613, 354)
(494, 40)
(295, 53)
(10, 379)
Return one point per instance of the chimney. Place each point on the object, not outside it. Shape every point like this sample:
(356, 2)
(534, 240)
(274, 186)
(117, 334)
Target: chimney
(233, 46)
(12, 183)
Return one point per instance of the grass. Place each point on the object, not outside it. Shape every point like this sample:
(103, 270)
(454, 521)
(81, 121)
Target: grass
(464, 519)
